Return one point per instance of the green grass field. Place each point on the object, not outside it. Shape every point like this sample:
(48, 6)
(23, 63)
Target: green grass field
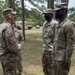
(32, 54)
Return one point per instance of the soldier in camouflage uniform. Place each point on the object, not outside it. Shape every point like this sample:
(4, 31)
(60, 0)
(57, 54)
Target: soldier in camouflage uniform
(63, 41)
(8, 44)
(48, 37)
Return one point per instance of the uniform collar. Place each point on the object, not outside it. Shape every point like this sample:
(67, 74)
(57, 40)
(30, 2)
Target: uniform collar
(63, 21)
(7, 23)
(49, 23)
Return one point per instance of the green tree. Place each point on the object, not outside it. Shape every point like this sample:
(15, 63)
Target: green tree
(3, 5)
(71, 9)
(72, 17)
(32, 16)
(72, 14)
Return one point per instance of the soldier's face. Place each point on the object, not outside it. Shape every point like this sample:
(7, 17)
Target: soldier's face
(11, 17)
(48, 16)
(59, 13)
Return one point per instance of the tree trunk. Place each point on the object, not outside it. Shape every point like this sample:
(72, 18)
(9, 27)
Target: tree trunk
(50, 4)
(23, 19)
(10, 3)
(65, 1)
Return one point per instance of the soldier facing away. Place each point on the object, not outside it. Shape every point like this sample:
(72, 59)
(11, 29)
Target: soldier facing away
(48, 38)
(63, 41)
(8, 44)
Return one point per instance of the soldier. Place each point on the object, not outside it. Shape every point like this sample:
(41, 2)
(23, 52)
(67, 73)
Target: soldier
(48, 37)
(63, 41)
(8, 44)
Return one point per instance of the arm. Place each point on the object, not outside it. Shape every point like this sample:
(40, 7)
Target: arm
(11, 40)
(70, 41)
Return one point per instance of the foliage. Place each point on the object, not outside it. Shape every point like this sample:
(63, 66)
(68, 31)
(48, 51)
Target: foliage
(41, 1)
(36, 16)
(72, 14)
(72, 17)
(2, 6)
(71, 9)
(32, 16)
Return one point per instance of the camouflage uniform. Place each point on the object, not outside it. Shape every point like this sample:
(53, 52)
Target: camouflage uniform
(8, 49)
(48, 37)
(18, 36)
(63, 46)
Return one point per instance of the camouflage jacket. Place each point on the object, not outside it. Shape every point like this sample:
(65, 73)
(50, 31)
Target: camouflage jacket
(64, 40)
(48, 34)
(18, 35)
(8, 41)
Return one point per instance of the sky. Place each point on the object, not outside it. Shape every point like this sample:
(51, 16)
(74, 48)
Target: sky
(71, 3)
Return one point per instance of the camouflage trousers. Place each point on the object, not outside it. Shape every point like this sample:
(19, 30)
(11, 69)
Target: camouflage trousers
(47, 62)
(61, 68)
(19, 62)
(9, 63)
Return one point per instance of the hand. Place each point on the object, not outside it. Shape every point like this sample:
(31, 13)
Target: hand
(19, 46)
(67, 60)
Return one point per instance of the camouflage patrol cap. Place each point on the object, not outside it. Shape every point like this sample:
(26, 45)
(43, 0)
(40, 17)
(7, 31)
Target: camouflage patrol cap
(61, 6)
(49, 10)
(8, 10)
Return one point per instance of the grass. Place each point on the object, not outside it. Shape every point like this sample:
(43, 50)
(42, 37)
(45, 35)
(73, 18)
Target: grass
(32, 54)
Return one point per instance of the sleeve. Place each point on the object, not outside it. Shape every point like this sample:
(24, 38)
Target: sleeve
(70, 41)
(52, 32)
(43, 30)
(54, 27)
(20, 36)
(11, 40)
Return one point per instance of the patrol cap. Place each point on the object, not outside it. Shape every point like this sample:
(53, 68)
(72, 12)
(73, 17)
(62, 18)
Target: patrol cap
(49, 10)
(8, 10)
(61, 6)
